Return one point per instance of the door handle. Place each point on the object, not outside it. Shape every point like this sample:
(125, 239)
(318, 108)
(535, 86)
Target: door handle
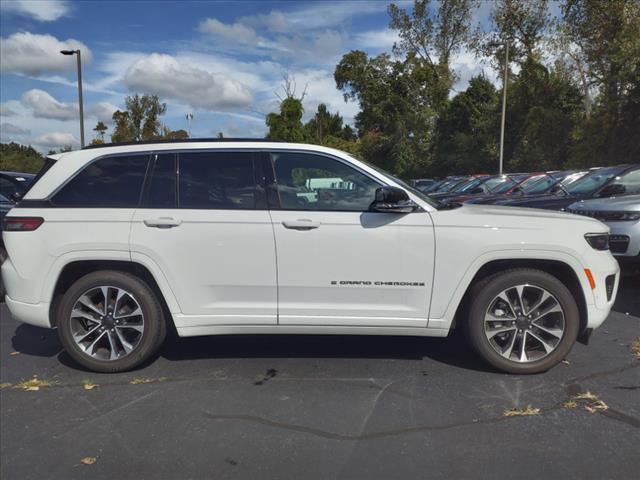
(302, 224)
(162, 222)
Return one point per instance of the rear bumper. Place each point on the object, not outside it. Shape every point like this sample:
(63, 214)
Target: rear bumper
(32, 313)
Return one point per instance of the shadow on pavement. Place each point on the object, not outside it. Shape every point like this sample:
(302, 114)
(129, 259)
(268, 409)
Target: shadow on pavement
(628, 299)
(453, 351)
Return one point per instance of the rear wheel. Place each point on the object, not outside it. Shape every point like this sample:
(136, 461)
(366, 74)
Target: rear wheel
(110, 321)
(522, 320)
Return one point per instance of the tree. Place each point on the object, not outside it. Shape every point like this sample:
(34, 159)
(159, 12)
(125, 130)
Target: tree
(20, 158)
(606, 36)
(168, 134)
(287, 125)
(140, 121)
(100, 128)
(466, 140)
(432, 36)
(521, 23)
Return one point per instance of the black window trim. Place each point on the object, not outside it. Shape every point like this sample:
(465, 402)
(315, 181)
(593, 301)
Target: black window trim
(274, 199)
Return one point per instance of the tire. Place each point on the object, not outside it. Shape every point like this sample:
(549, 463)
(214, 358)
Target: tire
(143, 332)
(513, 321)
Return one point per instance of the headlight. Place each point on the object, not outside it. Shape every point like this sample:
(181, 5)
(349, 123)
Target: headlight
(626, 216)
(599, 241)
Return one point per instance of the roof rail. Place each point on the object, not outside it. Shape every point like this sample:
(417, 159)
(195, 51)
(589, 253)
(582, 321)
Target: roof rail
(181, 140)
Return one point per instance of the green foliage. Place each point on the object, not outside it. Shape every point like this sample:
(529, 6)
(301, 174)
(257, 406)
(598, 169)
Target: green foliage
(100, 129)
(141, 119)
(19, 158)
(168, 134)
(287, 125)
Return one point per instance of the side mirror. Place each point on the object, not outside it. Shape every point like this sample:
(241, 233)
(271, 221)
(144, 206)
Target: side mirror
(392, 200)
(612, 190)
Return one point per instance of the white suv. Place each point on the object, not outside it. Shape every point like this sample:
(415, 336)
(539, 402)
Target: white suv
(114, 245)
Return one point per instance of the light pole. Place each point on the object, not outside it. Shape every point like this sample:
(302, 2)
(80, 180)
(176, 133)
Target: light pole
(189, 117)
(504, 102)
(77, 52)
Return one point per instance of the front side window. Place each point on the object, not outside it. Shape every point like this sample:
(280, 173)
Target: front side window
(630, 181)
(217, 180)
(314, 182)
(107, 182)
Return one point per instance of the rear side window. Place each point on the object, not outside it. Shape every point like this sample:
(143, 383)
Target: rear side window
(108, 182)
(217, 180)
(161, 190)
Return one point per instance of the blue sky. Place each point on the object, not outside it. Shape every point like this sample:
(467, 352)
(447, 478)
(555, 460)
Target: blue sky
(222, 61)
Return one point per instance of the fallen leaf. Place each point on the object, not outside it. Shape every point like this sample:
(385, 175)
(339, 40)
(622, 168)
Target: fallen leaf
(597, 406)
(89, 460)
(635, 347)
(140, 381)
(13, 354)
(33, 385)
(570, 404)
(521, 412)
(90, 386)
(6, 385)
(566, 362)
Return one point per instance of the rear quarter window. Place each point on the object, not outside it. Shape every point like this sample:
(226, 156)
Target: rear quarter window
(108, 182)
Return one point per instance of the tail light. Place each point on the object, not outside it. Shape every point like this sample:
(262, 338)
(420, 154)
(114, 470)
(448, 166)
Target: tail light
(21, 224)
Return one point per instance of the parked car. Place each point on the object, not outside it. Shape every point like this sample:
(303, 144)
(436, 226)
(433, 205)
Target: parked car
(536, 184)
(422, 183)
(487, 186)
(445, 185)
(622, 215)
(14, 184)
(602, 183)
(113, 244)
(459, 186)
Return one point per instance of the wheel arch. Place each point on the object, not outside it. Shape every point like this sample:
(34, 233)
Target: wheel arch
(558, 268)
(74, 270)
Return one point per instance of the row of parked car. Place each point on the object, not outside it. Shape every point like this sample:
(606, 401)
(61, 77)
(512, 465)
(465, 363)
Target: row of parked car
(610, 194)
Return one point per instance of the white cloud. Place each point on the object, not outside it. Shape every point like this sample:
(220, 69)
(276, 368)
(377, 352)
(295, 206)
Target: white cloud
(45, 106)
(6, 111)
(102, 111)
(55, 140)
(33, 54)
(377, 39)
(275, 21)
(44, 11)
(236, 32)
(11, 129)
(165, 76)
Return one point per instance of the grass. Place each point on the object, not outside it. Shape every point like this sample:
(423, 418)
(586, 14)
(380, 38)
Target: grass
(33, 385)
(521, 412)
(589, 401)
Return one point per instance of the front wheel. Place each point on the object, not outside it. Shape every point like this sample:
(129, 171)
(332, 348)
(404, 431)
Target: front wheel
(522, 321)
(110, 321)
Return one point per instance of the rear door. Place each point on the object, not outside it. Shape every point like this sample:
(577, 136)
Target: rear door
(205, 224)
(339, 263)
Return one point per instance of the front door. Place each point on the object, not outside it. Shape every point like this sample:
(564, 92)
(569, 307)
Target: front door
(339, 263)
(208, 230)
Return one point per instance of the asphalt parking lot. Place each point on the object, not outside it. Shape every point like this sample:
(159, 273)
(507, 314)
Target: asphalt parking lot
(322, 407)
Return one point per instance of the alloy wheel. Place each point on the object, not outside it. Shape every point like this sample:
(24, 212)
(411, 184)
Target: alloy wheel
(107, 323)
(524, 323)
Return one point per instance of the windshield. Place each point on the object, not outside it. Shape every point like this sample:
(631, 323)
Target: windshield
(593, 181)
(468, 185)
(502, 184)
(537, 184)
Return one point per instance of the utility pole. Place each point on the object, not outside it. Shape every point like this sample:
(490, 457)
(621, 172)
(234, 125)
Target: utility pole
(80, 103)
(504, 103)
(189, 117)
